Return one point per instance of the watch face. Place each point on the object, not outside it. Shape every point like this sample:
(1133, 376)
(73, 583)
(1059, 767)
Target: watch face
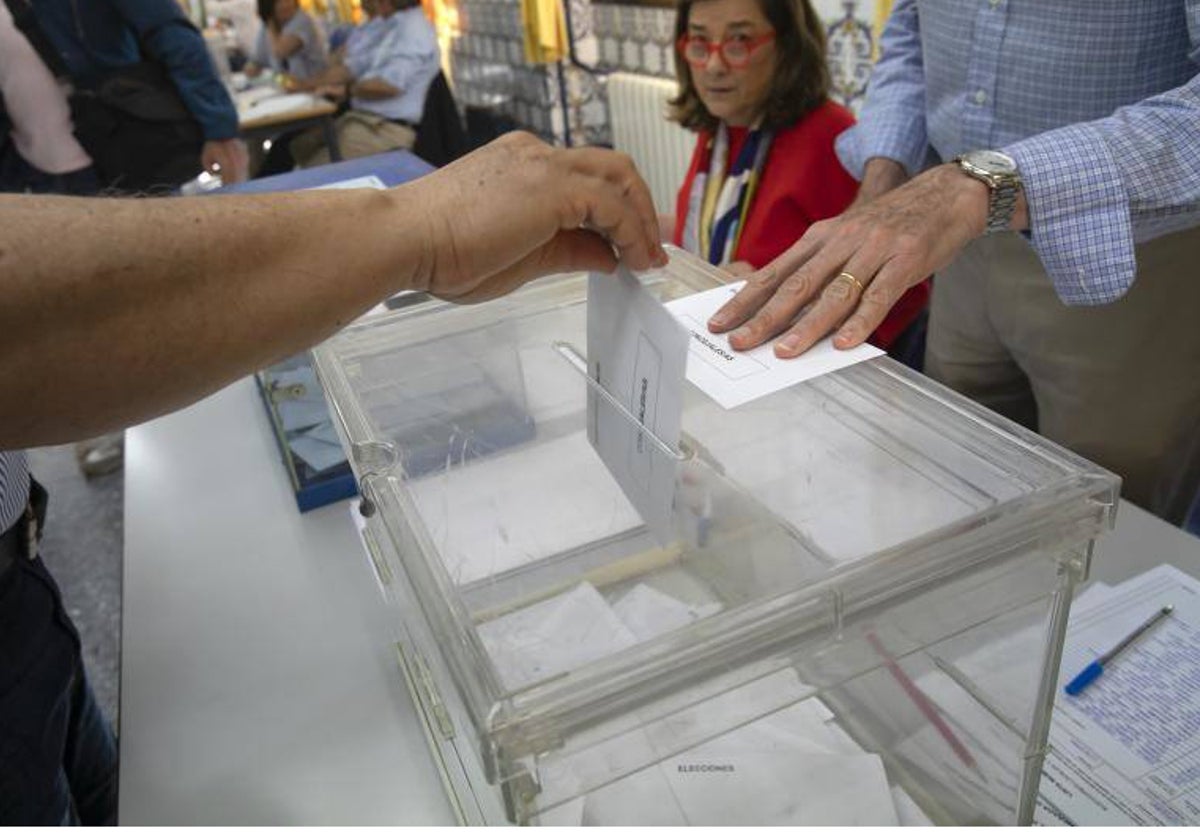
(994, 162)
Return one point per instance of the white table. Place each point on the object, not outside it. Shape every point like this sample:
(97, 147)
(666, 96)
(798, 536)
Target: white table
(1141, 542)
(256, 685)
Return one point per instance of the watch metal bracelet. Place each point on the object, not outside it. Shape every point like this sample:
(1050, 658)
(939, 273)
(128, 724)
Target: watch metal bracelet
(1001, 206)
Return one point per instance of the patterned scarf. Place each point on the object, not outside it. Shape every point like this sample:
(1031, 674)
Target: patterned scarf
(719, 201)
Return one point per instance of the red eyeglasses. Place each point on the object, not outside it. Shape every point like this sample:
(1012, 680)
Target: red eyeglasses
(735, 51)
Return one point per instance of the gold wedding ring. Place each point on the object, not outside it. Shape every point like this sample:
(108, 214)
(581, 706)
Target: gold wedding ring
(852, 279)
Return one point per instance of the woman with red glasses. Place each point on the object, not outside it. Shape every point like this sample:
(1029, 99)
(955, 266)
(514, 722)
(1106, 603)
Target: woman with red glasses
(754, 85)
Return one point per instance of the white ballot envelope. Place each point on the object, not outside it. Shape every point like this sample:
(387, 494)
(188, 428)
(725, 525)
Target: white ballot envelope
(637, 353)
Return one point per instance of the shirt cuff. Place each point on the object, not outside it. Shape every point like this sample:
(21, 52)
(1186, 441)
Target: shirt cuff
(220, 126)
(1078, 213)
(901, 140)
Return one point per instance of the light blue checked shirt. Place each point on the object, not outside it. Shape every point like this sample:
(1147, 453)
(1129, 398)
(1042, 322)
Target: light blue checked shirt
(1096, 100)
(406, 56)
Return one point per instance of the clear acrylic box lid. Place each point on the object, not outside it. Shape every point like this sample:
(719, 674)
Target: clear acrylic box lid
(553, 604)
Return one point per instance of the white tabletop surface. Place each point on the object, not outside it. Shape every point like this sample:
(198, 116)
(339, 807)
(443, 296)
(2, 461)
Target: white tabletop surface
(256, 685)
(1140, 542)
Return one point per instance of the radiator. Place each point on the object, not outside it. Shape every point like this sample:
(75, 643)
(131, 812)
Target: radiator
(637, 107)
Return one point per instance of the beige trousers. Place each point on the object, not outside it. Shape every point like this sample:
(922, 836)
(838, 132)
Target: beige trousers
(359, 134)
(1118, 384)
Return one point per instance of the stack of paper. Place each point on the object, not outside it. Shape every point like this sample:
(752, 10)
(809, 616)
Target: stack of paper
(794, 767)
(1127, 750)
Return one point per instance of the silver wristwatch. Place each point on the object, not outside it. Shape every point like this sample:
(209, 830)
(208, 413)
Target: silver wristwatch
(999, 172)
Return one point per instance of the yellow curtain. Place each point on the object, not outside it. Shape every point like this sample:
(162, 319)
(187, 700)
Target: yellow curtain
(347, 11)
(545, 31)
(883, 8)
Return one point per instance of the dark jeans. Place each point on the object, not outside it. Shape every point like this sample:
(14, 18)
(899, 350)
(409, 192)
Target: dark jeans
(18, 176)
(58, 756)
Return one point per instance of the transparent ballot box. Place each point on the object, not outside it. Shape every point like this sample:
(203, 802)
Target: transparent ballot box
(857, 617)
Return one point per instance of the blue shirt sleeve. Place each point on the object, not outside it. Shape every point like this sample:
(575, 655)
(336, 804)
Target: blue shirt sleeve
(1096, 188)
(409, 59)
(892, 122)
(169, 37)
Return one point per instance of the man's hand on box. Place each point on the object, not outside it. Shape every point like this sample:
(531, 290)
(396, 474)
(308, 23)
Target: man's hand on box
(847, 272)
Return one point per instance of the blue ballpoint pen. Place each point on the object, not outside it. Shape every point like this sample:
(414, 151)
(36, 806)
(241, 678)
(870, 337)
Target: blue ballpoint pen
(1089, 674)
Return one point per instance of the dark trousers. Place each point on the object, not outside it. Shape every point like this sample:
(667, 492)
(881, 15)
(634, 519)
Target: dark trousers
(58, 756)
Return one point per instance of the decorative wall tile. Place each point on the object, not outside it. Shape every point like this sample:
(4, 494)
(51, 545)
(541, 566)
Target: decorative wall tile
(631, 57)
(663, 28)
(610, 52)
(635, 28)
(487, 59)
(652, 60)
(851, 54)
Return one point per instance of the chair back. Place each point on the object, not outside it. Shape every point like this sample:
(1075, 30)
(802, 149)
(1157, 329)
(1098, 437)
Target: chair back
(441, 136)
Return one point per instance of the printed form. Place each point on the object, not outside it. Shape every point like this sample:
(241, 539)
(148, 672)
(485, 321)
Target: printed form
(1127, 750)
(733, 378)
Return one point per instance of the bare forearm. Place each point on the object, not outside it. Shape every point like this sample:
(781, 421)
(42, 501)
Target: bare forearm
(374, 89)
(91, 335)
(975, 194)
(883, 175)
(113, 311)
(335, 74)
(880, 175)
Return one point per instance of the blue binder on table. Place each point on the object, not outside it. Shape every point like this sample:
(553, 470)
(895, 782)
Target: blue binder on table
(311, 454)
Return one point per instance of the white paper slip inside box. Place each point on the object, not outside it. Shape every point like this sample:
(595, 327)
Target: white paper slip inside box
(781, 787)
(555, 635)
(731, 377)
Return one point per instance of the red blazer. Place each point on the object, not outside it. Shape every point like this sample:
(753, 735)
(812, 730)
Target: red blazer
(802, 182)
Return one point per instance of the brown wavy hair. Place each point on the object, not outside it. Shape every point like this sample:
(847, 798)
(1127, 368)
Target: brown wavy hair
(801, 81)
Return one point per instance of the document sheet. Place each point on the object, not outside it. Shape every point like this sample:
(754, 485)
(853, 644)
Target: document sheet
(1127, 750)
(638, 354)
(733, 378)
(363, 182)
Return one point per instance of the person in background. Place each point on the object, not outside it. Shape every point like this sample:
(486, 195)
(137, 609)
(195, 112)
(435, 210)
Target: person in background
(386, 73)
(289, 41)
(39, 152)
(242, 17)
(97, 37)
(101, 331)
(1042, 158)
(361, 37)
(754, 86)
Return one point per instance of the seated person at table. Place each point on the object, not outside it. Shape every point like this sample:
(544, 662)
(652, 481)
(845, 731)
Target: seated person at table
(386, 74)
(290, 41)
(362, 36)
(754, 84)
